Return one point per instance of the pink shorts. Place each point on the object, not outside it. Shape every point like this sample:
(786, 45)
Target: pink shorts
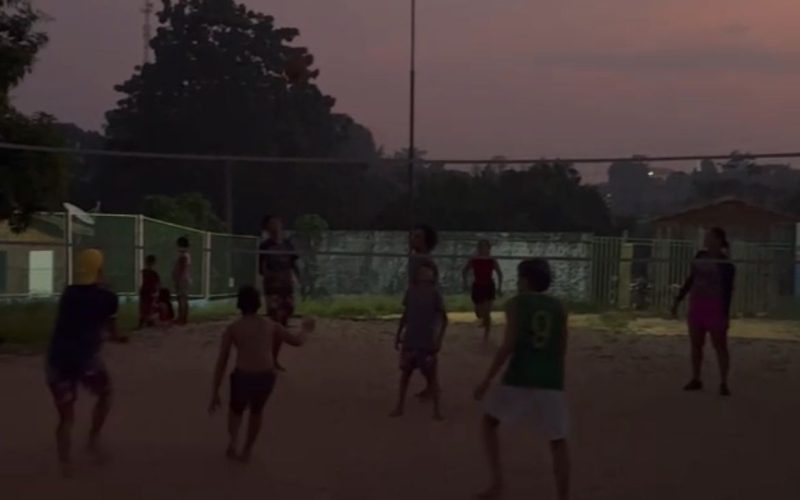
(707, 316)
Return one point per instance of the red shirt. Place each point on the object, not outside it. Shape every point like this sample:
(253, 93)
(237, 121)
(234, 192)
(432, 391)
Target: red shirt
(482, 269)
(150, 282)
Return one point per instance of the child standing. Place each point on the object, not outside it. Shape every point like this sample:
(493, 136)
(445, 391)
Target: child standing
(422, 242)
(535, 346)
(710, 290)
(484, 291)
(182, 279)
(278, 266)
(252, 381)
(148, 293)
(420, 334)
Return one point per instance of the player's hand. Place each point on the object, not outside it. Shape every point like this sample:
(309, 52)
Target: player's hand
(481, 390)
(397, 343)
(214, 405)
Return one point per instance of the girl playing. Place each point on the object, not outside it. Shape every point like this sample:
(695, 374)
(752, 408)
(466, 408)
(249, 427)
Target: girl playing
(710, 290)
(484, 290)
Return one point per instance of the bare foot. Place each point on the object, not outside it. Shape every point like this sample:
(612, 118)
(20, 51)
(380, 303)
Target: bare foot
(230, 453)
(245, 457)
(398, 412)
(438, 417)
(280, 368)
(494, 491)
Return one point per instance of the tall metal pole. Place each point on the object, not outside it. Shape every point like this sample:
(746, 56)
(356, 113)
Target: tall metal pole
(412, 115)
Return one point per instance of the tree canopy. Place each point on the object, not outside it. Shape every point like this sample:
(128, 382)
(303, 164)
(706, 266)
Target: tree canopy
(28, 181)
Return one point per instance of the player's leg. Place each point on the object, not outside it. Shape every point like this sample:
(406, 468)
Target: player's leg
(238, 403)
(697, 336)
(406, 369)
(719, 340)
(253, 429)
(99, 384)
(487, 319)
(430, 370)
(64, 394)
(491, 446)
(561, 467)
(263, 385)
(185, 316)
(280, 309)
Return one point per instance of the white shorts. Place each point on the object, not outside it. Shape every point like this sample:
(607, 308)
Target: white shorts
(544, 408)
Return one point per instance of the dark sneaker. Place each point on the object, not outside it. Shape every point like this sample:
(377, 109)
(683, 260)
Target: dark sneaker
(694, 385)
(724, 390)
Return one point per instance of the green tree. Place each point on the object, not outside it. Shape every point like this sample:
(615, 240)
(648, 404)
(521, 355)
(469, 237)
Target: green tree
(28, 181)
(219, 85)
(188, 209)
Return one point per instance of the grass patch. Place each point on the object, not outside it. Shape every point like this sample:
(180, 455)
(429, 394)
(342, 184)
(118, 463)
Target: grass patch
(30, 324)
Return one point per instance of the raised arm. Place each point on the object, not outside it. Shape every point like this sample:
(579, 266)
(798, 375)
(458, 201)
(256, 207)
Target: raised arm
(503, 353)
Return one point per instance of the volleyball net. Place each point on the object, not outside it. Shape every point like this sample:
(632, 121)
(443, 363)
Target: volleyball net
(349, 220)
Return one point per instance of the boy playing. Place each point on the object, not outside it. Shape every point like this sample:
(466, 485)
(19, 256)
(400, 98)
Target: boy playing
(533, 385)
(420, 333)
(279, 271)
(86, 311)
(252, 381)
(422, 242)
(182, 279)
(148, 293)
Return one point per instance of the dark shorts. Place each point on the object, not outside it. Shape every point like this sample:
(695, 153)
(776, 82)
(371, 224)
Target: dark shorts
(64, 387)
(483, 293)
(280, 304)
(250, 390)
(417, 359)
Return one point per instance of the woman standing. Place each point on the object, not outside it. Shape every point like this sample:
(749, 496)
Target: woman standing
(710, 290)
(484, 291)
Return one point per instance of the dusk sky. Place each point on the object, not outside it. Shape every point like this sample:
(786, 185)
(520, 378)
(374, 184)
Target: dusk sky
(519, 78)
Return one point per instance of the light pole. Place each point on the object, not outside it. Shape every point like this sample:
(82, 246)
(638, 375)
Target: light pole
(411, 114)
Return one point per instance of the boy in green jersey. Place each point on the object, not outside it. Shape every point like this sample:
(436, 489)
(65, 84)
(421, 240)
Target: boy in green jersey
(533, 384)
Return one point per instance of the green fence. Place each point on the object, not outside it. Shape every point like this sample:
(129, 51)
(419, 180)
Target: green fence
(600, 272)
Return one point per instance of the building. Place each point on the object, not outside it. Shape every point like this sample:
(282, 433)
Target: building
(742, 220)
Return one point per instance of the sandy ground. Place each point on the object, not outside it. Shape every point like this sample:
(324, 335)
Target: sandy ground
(636, 436)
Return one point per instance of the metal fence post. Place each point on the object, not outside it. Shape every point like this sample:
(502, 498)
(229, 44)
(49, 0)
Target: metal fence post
(139, 260)
(207, 265)
(69, 242)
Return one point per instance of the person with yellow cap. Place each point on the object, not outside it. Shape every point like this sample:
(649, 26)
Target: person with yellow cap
(86, 313)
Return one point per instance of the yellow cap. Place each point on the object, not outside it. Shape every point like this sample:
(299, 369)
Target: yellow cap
(88, 264)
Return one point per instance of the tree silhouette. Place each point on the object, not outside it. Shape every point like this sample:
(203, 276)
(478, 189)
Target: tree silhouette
(28, 181)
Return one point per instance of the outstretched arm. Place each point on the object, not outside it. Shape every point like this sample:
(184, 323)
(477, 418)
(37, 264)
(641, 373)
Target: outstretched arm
(299, 338)
(219, 372)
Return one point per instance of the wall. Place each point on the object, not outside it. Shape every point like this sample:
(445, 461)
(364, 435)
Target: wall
(374, 274)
